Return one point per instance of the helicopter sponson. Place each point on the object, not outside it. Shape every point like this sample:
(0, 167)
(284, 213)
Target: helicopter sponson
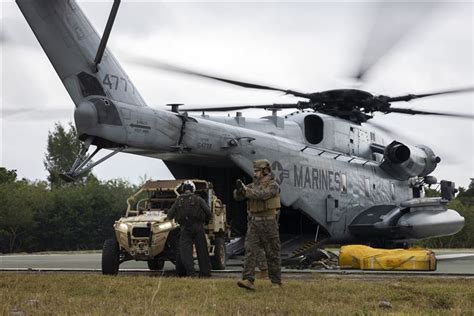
(414, 219)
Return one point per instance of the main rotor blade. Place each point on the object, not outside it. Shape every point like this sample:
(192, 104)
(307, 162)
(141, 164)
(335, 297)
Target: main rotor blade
(395, 133)
(409, 97)
(413, 112)
(392, 23)
(401, 136)
(33, 114)
(167, 67)
(241, 107)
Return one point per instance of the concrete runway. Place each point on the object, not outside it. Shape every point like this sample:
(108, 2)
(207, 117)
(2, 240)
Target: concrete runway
(448, 263)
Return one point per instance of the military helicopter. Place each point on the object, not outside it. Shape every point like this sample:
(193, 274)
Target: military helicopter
(340, 182)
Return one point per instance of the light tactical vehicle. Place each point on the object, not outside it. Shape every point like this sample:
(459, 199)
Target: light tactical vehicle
(145, 234)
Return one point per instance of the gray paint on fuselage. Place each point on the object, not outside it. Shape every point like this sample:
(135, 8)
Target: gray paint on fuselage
(312, 167)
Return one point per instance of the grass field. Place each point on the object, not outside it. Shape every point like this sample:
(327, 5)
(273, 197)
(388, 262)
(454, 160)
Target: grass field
(61, 294)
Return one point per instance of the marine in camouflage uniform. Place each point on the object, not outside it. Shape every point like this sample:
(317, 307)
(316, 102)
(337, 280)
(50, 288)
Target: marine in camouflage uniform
(262, 260)
(263, 204)
(192, 212)
(262, 264)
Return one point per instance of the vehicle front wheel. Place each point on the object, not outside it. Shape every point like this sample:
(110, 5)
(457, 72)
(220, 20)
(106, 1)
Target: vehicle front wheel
(156, 264)
(110, 257)
(218, 261)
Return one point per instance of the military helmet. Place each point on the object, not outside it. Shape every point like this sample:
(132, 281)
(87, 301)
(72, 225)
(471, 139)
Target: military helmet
(263, 164)
(188, 185)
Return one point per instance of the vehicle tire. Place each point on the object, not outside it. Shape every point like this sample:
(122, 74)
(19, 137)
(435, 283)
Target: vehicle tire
(218, 261)
(180, 270)
(110, 257)
(156, 264)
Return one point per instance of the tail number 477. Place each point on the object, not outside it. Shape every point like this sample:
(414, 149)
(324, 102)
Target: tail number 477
(117, 83)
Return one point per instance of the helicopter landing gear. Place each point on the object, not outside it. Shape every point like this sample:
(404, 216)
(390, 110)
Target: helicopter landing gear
(83, 162)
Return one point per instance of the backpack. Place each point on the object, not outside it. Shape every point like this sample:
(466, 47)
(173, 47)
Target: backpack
(188, 210)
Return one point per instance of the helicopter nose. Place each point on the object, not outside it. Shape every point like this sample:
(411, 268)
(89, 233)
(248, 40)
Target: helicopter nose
(85, 115)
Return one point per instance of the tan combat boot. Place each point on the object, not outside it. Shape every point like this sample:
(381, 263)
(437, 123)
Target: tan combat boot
(262, 274)
(246, 284)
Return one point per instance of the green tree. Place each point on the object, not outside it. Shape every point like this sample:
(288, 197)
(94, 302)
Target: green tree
(82, 215)
(62, 150)
(464, 204)
(7, 176)
(432, 192)
(467, 196)
(20, 201)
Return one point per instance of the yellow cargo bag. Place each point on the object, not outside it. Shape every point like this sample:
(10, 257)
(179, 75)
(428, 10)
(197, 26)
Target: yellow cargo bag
(350, 257)
(367, 258)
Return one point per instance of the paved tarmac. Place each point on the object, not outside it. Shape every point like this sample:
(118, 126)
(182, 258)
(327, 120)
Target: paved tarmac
(449, 261)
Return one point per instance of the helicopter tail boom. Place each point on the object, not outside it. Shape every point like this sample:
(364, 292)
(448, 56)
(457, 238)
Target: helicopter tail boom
(71, 44)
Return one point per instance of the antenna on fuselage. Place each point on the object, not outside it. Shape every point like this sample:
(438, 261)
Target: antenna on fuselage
(105, 36)
(174, 107)
(274, 111)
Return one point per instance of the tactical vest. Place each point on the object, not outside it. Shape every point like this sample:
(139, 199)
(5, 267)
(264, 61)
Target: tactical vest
(264, 207)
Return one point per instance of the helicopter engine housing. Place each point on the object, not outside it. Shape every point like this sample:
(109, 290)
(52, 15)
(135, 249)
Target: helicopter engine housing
(403, 162)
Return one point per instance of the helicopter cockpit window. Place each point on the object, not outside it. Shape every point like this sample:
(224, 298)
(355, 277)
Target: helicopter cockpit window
(313, 129)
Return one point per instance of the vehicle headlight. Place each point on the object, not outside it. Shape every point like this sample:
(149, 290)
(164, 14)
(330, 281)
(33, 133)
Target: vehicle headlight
(123, 226)
(165, 226)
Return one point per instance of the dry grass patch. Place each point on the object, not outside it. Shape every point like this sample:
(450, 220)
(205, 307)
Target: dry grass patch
(37, 294)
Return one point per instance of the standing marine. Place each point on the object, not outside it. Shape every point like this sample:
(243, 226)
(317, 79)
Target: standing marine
(263, 205)
(192, 213)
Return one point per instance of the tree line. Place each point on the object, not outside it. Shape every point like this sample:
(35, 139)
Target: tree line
(35, 217)
(464, 204)
(54, 215)
(57, 216)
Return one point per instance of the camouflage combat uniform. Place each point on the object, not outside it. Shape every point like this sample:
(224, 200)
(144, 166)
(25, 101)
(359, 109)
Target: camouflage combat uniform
(262, 229)
(262, 260)
(191, 212)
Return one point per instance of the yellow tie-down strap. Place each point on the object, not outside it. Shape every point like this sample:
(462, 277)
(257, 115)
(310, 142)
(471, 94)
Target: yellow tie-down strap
(368, 258)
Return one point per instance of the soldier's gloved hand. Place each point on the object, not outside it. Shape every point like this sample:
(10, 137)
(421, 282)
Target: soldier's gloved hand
(239, 185)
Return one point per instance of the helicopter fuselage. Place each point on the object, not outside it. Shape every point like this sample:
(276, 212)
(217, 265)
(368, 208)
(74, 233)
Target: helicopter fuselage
(327, 170)
(336, 177)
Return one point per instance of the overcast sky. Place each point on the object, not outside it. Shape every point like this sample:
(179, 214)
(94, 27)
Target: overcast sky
(301, 46)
